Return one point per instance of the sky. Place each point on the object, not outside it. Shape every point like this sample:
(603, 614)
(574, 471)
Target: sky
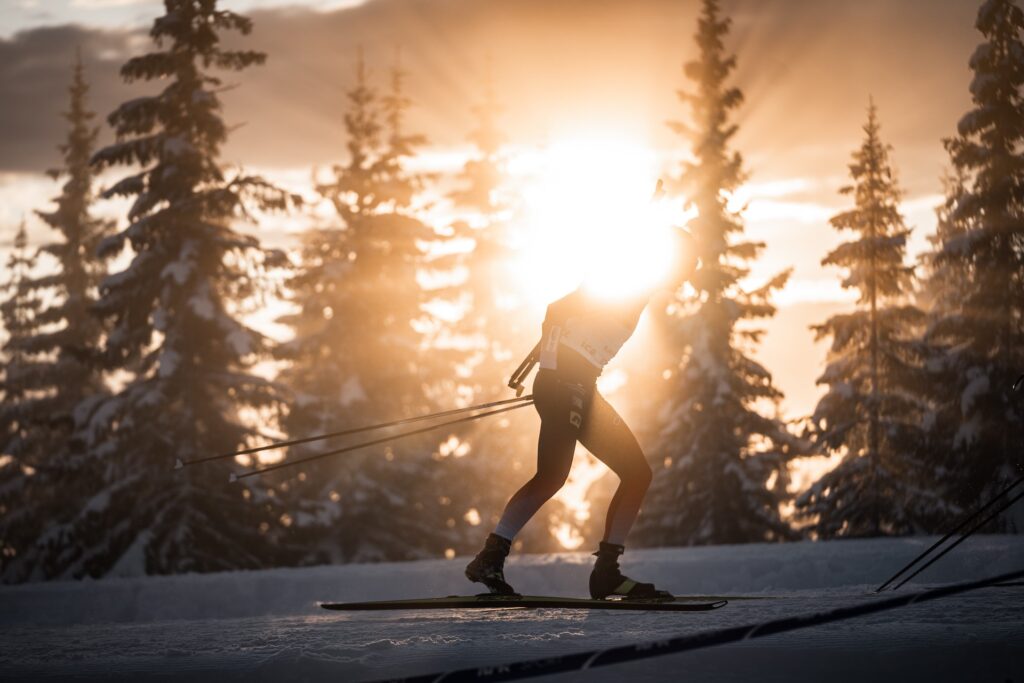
(562, 69)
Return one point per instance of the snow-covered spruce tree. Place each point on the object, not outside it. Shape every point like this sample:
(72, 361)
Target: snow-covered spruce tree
(719, 465)
(980, 330)
(481, 192)
(481, 338)
(942, 280)
(76, 374)
(20, 442)
(357, 357)
(487, 342)
(174, 331)
(483, 174)
(66, 371)
(872, 411)
(941, 283)
(397, 187)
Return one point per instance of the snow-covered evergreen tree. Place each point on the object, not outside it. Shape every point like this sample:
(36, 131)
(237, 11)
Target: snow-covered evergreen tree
(942, 280)
(21, 449)
(482, 191)
(979, 328)
(488, 341)
(174, 328)
(941, 283)
(483, 174)
(20, 314)
(396, 185)
(720, 464)
(872, 411)
(485, 337)
(357, 357)
(75, 375)
(66, 371)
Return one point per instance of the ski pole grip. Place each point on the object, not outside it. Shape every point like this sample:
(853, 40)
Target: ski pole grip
(515, 382)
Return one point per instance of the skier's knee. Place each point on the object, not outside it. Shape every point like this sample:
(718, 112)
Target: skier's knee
(552, 484)
(642, 476)
(547, 485)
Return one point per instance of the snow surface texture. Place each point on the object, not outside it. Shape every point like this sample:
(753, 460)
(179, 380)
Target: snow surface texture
(265, 625)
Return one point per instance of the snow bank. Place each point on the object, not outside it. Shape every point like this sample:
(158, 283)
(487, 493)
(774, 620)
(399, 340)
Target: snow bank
(789, 569)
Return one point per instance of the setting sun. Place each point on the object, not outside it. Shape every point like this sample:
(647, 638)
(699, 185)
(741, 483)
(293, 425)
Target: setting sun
(589, 217)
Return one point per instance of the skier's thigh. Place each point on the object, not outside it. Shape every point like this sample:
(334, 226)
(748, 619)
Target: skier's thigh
(607, 436)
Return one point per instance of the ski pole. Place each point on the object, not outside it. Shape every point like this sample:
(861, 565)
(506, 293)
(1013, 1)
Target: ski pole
(967, 520)
(982, 523)
(516, 380)
(393, 437)
(963, 538)
(345, 432)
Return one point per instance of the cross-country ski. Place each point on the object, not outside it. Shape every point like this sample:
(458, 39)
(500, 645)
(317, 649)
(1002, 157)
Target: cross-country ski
(489, 601)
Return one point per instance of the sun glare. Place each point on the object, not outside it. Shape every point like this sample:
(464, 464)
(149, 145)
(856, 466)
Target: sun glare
(589, 218)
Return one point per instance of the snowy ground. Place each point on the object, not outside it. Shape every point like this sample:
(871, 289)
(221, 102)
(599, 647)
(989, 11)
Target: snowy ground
(265, 625)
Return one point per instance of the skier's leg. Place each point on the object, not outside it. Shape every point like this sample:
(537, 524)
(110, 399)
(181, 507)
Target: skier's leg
(607, 437)
(561, 409)
(561, 420)
(611, 441)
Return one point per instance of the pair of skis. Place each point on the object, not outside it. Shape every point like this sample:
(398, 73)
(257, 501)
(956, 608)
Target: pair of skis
(682, 603)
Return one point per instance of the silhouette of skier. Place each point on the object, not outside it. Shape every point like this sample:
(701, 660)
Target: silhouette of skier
(580, 335)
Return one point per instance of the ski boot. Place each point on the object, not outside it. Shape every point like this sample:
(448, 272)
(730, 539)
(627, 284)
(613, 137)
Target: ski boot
(607, 580)
(488, 567)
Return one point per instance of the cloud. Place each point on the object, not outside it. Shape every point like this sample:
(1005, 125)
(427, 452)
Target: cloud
(101, 4)
(35, 70)
(806, 69)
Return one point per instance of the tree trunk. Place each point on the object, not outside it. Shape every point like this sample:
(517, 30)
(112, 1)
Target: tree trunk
(873, 407)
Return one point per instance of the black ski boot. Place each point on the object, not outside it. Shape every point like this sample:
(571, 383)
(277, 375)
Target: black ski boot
(488, 567)
(607, 580)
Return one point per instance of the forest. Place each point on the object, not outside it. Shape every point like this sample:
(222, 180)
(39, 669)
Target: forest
(155, 328)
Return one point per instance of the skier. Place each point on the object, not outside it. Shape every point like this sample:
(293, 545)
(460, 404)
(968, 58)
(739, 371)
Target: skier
(580, 335)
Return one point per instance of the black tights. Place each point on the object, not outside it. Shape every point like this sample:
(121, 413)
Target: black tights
(571, 413)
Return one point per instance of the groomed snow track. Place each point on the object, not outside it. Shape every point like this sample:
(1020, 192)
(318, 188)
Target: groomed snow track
(266, 626)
